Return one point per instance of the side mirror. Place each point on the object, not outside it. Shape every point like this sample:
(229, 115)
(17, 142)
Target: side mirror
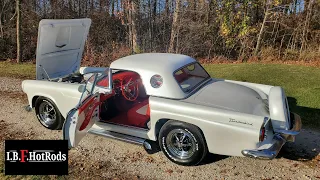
(82, 88)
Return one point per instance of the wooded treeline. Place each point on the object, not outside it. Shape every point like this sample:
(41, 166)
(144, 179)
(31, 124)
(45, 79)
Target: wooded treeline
(273, 30)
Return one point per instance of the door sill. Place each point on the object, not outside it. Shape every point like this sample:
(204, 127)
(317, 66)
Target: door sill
(118, 136)
(123, 125)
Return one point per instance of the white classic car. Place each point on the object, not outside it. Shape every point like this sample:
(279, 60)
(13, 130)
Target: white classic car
(154, 99)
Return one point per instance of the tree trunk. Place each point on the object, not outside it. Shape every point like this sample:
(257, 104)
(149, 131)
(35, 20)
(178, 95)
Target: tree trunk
(53, 7)
(100, 6)
(1, 27)
(44, 9)
(175, 26)
(257, 49)
(167, 7)
(35, 5)
(91, 6)
(19, 49)
(209, 11)
(70, 5)
(306, 26)
(112, 8)
(79, 8)
(154, 9)
(134, 26)
(150, 26)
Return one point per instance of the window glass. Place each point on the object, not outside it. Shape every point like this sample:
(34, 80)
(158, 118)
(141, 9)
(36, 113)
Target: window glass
(189, 77)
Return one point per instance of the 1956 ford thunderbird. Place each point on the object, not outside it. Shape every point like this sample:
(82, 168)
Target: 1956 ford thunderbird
(154, 99)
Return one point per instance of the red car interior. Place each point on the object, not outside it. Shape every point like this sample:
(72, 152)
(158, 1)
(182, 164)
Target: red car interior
(181, 76)
(132, 113)
(88, 111)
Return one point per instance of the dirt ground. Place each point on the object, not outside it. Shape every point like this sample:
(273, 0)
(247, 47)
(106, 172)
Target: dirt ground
(101, 158)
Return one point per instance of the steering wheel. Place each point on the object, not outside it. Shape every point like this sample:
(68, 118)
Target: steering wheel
(130, 89)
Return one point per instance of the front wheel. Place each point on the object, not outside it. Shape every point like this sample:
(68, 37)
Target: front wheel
(48, 114)
(182, 143)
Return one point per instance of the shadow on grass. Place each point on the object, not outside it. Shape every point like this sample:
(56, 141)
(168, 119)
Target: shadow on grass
(307, 144)
(310, 116)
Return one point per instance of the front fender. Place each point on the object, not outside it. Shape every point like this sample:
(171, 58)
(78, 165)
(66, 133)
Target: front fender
(65, 95)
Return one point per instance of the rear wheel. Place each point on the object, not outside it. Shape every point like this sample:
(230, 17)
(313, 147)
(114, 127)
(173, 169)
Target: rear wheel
(48, 114)
(182, 143)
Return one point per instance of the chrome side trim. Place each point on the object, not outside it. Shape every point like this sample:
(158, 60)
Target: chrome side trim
(135, 127)
(110, 79)
(266, 121)
(118, 136)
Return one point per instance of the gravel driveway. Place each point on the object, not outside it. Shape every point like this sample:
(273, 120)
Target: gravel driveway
(97, 157)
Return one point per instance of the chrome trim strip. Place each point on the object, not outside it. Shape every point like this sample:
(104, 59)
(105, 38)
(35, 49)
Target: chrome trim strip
(117, 136)
(123, 125)
(266, 121)
(110, 79)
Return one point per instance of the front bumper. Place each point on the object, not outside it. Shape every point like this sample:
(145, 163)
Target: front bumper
(279, 139)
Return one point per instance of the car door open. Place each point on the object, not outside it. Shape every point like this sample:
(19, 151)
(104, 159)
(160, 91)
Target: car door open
(81, 118)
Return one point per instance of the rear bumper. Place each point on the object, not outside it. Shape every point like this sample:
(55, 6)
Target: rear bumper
(279, 139)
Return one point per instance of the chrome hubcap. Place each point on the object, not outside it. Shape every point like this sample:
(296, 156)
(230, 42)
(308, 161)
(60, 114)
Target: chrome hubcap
(47, 113)
(180, 144)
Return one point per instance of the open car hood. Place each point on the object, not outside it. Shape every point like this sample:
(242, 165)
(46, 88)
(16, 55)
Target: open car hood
(60, 47)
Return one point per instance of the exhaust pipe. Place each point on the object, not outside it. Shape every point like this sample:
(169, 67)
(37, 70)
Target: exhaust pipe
(151, 147)
(28, 108)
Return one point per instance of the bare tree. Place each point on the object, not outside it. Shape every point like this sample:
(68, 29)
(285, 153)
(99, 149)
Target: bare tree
(18, 24)
(2, 11)
(306, 26)
(133, 20)
(257, 49)
(175, 26)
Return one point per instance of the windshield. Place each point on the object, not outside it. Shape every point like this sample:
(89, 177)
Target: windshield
(91, 80)
(190, 76)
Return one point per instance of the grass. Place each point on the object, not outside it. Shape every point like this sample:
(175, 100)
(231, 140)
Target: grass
(21, 71)
(301, 83)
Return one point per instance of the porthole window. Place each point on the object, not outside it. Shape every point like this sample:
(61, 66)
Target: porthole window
(156, 81)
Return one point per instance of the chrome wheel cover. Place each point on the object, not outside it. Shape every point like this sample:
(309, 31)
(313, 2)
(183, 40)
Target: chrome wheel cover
(181, 144)
(47, 114)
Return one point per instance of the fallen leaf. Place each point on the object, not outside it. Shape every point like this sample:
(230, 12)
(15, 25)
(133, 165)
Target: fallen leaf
(170, 171)
(224, 171)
